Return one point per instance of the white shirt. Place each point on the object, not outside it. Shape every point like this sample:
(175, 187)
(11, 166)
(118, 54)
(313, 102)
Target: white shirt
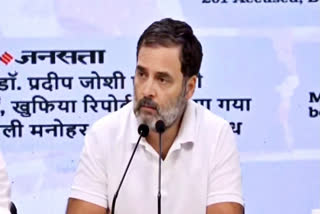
(201, 168)
(4, 188)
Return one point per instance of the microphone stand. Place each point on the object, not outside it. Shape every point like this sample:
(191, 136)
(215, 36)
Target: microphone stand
(159, 178)
(143, 131)
(160, 128)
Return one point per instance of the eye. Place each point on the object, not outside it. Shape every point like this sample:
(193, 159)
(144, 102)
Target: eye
(140, 74)
(162, 80)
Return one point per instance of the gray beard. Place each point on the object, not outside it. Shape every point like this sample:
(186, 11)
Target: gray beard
(169, 116)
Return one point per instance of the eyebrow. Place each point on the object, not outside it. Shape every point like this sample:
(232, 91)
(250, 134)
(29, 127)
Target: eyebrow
(140, 68)
(163, 74)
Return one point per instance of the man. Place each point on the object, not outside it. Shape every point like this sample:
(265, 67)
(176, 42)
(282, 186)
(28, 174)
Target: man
(200, 163)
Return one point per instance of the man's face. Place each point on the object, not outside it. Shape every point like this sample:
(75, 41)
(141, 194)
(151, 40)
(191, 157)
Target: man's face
(159, 91)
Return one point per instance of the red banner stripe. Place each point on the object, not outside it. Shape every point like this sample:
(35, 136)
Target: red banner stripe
(8, 55)
(6, 58)
(4, 61)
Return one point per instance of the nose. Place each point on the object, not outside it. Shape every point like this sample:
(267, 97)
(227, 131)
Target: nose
(149, 89)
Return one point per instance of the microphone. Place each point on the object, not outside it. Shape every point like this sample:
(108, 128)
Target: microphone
(143, 131)
(160, 128)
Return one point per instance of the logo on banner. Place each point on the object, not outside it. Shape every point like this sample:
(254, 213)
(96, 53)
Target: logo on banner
(6, 58)
(68, 57)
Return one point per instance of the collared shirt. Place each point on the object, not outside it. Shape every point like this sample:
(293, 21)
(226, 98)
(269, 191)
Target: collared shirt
(201, 168)
(4, 188)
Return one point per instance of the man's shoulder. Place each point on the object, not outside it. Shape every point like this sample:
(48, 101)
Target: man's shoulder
(207, 117)
(114, 120)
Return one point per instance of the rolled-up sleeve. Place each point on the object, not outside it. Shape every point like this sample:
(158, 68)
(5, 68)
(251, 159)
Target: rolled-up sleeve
(225, 182)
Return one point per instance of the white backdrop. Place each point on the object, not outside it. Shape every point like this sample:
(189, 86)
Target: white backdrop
(264, 54)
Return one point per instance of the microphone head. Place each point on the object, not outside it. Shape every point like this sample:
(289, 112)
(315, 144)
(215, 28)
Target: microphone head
(143, 130)
(160, 127)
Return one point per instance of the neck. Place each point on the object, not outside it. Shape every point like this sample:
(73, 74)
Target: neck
(168, 138)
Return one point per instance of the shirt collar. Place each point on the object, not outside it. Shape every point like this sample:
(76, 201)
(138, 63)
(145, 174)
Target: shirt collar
(132, 127)
(187, 131)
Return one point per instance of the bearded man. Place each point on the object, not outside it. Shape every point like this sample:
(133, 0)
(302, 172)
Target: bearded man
(200, 162)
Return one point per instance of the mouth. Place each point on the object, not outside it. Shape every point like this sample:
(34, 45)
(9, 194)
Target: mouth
(148, 109)
(151, 108)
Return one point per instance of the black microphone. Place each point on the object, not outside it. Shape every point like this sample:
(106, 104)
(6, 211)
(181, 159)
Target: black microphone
(160, 128)
(143, 131)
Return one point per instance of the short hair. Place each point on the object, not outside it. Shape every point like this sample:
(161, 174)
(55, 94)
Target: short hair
(168, 32)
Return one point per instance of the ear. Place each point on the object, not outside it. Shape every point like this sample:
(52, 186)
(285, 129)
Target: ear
(191, 85)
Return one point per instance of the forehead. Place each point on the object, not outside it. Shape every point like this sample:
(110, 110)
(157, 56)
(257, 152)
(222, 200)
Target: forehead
(160, 58)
